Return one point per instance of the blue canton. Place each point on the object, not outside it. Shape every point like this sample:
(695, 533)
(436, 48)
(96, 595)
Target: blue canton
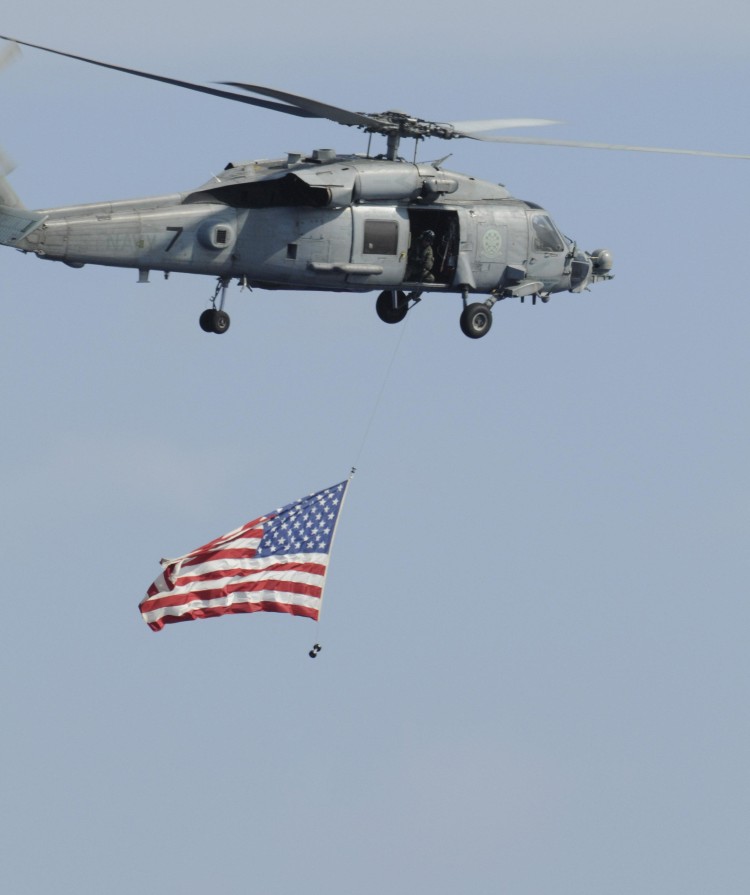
(305, 526)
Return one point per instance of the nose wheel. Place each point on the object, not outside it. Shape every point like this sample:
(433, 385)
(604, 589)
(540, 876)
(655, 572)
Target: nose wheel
(213, 319)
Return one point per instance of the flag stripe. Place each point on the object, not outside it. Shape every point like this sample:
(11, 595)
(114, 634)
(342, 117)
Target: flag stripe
(262, 595)
(312, 562)
(218, 574)
(242, 529)
(233, 549)
(216, 611)
(241, 587)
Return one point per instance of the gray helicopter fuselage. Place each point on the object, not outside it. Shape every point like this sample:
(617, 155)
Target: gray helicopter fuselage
(334, 223)
(329, 222)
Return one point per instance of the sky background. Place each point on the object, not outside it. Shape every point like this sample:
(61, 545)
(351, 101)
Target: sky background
(535, 674)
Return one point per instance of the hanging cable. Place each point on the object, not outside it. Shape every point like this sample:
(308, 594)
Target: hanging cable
(381, 391)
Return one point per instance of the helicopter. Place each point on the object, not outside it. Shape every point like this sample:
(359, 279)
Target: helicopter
(331, 222)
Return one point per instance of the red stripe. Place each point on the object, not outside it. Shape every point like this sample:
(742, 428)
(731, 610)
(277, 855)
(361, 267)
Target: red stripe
(313, 568)
(281, 587)
(212, 556)
(244, 532)
(304, 611)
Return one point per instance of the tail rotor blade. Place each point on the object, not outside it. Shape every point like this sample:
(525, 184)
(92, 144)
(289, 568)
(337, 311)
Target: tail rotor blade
(8, 53)
(6, 164)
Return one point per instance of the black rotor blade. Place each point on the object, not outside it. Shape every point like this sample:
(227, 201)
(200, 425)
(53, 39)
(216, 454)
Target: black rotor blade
(312, 106)
(199, 88)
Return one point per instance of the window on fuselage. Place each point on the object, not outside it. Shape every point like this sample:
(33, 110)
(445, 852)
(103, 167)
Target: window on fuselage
(381, 238)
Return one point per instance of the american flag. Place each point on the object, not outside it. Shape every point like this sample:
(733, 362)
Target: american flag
(276, 563)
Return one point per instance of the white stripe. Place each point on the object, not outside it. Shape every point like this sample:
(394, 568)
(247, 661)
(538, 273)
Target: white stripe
(233, 600)
(251, 563)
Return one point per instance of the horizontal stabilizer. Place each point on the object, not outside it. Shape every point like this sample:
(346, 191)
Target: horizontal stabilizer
(16, 223)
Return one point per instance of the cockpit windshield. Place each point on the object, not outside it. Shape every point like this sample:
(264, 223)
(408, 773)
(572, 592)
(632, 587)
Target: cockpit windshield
(546, 237)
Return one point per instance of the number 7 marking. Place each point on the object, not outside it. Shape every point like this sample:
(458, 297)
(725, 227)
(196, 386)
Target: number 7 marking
(177, 233)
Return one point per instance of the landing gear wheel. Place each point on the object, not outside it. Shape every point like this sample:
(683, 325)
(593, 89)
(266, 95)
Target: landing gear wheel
(221, 322)
(476, 320)
(206, 320)
(387, 311)
(214, 321)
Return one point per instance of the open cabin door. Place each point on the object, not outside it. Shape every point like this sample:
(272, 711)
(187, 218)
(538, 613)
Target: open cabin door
(446, 242)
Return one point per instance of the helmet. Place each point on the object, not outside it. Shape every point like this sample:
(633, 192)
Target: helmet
(428, 235)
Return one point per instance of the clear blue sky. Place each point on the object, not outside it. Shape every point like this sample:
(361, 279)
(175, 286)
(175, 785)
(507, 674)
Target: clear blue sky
(534, 675)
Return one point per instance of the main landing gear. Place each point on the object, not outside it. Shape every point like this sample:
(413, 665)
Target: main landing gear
(393, 305)
(213, 319)
(476, 318)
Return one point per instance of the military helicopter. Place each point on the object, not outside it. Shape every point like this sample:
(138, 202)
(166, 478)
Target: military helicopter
(330, 222)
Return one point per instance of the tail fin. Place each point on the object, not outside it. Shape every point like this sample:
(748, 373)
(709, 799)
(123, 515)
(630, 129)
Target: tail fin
(17, 223)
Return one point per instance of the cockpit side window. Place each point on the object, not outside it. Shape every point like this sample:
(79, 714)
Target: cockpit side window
(546, 238)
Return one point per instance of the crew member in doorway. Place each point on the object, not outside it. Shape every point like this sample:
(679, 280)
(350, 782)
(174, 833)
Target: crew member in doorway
(423, 259)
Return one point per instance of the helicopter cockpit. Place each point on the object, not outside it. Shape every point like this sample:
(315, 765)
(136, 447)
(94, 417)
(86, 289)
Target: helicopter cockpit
(546, 237)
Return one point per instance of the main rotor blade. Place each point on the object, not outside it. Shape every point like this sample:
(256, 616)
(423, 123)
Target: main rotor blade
(303, 107)
(493, 124)
(312, 106)
(199, 88)
(578, 144)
